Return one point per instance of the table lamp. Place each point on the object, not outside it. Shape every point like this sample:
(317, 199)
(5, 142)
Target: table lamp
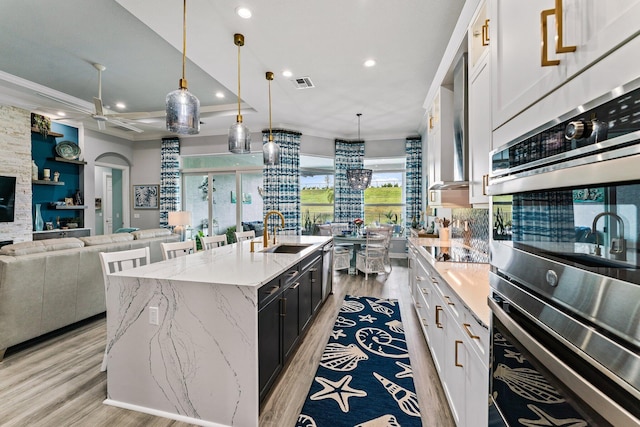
(180, 220)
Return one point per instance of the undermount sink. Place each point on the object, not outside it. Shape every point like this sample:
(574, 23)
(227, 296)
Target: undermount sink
(286, 248)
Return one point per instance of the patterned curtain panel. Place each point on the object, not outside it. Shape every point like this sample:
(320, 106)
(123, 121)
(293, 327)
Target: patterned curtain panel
(169, 178)
(282, 182)
(413, 191)
(348, 203)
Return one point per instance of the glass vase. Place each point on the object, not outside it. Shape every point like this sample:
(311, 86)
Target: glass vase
(39, 222)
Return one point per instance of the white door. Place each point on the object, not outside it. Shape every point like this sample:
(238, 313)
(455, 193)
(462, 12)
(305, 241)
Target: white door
(107, 204)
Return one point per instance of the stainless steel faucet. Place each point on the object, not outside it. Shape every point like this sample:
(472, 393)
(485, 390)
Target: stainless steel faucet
(618, 248)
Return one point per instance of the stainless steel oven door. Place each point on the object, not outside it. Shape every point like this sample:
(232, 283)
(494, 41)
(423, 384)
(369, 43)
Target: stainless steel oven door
(538, 375)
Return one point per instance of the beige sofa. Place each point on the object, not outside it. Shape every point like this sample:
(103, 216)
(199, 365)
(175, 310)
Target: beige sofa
(48, 284)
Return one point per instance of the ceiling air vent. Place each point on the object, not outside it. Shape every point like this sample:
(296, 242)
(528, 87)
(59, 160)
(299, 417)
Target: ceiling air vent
(303, 83)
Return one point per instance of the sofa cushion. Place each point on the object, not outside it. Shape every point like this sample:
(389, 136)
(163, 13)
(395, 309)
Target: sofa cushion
(106, 238)
(23, 248)
(62, 243)
(150, 233)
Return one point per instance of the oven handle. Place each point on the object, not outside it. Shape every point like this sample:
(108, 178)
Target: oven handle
(600, 402)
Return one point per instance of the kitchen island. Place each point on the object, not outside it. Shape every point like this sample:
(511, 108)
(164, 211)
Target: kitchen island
(182, 334)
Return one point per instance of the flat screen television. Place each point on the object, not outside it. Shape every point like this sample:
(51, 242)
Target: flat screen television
(7, 198)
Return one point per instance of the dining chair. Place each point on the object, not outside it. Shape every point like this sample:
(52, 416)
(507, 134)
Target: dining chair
(244, 235)
(385, 230)
(338, 227)
(324, 229)
(176, 249)
(341, 257)
(371, 259)
(112, 262)
(215, 241)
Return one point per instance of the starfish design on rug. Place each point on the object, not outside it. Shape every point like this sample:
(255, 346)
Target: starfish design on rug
(548, 420)
(337, 334)
(406, 370)
(338, 391)
(368, 318)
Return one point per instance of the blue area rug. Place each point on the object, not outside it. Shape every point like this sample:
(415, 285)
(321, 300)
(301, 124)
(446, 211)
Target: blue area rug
(364, 378)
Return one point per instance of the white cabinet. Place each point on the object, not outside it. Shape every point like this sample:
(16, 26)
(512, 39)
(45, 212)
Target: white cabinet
(479, 108)
(518, 52)
(440, 143)
(458, 343)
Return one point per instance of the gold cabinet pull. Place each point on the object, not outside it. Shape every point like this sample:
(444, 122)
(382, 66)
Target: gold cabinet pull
(560, 48)
(432, 195)
(448, 300)
(458, 364)
(485, 182)
(438, 310)
(430, 122)
(485, 33)
(467, 329)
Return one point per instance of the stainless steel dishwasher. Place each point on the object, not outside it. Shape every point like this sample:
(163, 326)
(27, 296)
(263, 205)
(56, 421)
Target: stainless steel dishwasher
(327, 269)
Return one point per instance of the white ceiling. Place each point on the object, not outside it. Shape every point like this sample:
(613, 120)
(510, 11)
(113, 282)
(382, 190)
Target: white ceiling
(49, 47)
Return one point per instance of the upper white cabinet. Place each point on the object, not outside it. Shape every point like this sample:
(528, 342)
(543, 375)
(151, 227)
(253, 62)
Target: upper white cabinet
(537, 46)
(479, 107)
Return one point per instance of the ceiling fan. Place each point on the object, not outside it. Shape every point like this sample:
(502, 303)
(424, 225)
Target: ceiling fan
(99, 114)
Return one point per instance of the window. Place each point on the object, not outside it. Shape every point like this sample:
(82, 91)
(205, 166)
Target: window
(316, 191)
(384, 200)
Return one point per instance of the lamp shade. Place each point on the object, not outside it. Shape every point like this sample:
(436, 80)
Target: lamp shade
(239, 138)
(359, 179)
(183, 112)
(180, 218)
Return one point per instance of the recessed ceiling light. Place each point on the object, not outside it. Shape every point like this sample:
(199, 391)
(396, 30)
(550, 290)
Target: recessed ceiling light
(121, 105)
(369, 63)
(61, 113)
(243, 12)
(219, 95)
(287, 73)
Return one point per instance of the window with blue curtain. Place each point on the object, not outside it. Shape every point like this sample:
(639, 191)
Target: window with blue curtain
(348, 203)
(169, 179)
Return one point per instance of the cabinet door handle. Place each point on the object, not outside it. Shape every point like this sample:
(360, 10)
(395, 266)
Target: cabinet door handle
(418, 305)
(425, 291)
(485, 182)
(313, 270)
(458, 364)
(419, 278)
(467, 329)
(424, 322)
(485, 33)
(295, 285)
(292, 274)
(432, 195)
(446, 297)
(560, 48)
(284, 307)
(438, 310)
(272, 290)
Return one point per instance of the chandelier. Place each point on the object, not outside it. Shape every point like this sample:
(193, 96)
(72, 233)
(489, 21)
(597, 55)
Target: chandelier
(359, 179)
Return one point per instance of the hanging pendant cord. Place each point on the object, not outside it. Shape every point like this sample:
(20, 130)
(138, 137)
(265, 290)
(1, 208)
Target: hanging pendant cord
(238, 80)
(270, 135)
(183, 82)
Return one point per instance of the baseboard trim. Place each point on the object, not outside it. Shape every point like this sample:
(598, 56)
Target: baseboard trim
(163, 414)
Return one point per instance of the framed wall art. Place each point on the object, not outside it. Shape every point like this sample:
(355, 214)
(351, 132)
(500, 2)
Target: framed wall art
(146, 196)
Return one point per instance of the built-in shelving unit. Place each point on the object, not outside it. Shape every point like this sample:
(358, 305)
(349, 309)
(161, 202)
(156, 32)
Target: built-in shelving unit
(54, 134)
(45, 182)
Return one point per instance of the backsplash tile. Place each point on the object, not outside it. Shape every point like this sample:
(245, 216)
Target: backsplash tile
(477, 235)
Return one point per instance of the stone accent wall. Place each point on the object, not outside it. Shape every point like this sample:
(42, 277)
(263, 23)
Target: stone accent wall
(15, 160)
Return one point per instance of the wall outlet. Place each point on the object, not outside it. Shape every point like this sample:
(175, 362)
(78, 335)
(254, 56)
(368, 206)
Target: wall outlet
(154, 317)
(136, 215)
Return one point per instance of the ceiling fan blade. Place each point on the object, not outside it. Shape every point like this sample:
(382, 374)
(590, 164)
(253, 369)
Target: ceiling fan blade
(125, 125)
(97, 102)
(67, 103)
(223, 108)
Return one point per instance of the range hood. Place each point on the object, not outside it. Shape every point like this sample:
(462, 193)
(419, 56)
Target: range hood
(460, 131)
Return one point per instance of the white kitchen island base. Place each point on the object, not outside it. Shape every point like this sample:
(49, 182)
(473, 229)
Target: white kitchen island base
(182, 334)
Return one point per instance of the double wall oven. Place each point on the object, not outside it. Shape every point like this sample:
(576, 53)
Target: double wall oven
(565, 269)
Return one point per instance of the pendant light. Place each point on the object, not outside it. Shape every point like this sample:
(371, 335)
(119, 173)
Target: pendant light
(183, 108)
(270, 150)
(359, 179)
(239, 134)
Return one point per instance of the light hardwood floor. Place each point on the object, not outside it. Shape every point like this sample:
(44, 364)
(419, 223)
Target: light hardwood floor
(58, 382)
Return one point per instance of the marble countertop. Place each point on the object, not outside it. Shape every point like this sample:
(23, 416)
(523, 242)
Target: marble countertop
(470, 281)
(230, 264)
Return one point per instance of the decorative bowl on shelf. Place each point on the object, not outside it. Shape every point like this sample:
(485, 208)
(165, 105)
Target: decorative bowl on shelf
(68, 150)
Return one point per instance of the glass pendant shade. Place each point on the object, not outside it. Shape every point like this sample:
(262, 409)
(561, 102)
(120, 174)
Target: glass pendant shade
(183, 112)
(359, 179)
(239, 138)
(271, 153)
